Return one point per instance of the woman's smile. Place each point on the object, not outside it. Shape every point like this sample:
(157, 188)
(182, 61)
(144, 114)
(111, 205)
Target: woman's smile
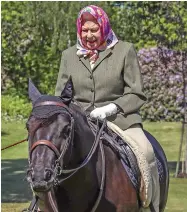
(91, 41)
(91, 34)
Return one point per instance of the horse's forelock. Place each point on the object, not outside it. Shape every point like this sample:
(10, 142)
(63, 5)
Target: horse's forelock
(37, 122)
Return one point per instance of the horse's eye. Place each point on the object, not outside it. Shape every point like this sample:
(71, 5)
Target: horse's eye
(65, 132)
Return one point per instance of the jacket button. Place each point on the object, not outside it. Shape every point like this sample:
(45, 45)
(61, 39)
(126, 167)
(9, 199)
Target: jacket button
(91, 77)
(92, 90)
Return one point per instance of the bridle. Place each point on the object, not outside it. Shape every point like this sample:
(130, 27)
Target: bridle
(49, 144)
(58, 170)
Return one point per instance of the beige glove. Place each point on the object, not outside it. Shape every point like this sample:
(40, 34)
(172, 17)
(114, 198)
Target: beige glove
(102, 112)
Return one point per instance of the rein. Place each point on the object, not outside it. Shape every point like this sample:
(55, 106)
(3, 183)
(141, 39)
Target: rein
(58, 169)
(19, 142)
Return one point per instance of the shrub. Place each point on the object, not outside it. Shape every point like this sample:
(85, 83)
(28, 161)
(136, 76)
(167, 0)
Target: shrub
(163, 84)
(14, 107)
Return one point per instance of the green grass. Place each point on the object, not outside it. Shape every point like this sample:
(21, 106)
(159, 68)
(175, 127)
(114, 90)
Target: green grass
(13, 207)
(168, 135)
(13, 132)
(177, 195)
(16, 193)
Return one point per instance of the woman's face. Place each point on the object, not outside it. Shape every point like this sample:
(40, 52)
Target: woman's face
(91, 34)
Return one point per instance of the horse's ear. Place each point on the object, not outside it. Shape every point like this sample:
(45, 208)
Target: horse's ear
(34, 93)
(67, 93)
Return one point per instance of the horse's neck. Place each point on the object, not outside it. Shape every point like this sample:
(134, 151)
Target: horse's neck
(83, 140)
(83, 135)
(77, 187)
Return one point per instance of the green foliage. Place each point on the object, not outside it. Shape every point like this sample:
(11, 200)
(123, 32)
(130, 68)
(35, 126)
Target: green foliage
(35, 33)
(14, 108)
(149, 24)
(33, 36)
(13, 34)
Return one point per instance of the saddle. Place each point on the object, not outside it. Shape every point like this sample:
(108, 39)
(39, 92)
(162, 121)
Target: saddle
(129, 161)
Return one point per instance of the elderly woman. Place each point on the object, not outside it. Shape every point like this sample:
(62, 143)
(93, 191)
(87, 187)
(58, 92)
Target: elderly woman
(107, 83)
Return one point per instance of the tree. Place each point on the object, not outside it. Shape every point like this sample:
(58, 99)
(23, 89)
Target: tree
(35, 33)
(148, 23)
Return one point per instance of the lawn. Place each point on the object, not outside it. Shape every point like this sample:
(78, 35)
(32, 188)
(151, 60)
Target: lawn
(15, 190)
(13, 132)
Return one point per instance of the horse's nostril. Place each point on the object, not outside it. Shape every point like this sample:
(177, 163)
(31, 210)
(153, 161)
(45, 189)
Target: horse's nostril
(30, 175)
(48, 174)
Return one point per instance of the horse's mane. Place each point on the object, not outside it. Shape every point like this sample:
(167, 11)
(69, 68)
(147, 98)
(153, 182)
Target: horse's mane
(79, 114)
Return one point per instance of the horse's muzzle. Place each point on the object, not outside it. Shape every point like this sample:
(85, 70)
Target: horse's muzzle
(41, 186)
(40, 181)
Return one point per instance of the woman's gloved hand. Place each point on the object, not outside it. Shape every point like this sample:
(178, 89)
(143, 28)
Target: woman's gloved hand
(102, 112)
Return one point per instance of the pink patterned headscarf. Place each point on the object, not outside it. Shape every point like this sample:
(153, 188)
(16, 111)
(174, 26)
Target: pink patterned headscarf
(108, 37)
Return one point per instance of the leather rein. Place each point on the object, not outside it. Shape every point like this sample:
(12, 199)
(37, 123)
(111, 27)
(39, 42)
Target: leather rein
(58, 171)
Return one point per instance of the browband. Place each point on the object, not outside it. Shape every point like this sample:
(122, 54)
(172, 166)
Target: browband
(46, 103)
(50, 103)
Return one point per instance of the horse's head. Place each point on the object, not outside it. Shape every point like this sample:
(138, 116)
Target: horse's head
(50, 134)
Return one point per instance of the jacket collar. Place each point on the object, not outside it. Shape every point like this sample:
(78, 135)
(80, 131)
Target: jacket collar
(102, 56)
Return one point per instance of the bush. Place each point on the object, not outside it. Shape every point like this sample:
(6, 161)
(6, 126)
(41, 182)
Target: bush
(14, 107)
(163, 84)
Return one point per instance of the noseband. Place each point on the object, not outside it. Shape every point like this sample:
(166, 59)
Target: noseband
(46, 143)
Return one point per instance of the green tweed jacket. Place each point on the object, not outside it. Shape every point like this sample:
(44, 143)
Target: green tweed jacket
(115, 78)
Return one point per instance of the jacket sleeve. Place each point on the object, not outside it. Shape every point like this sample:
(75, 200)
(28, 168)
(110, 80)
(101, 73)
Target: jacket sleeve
(62, 76)
(133, 97)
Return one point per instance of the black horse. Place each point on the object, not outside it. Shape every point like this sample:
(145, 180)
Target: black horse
(67, 166)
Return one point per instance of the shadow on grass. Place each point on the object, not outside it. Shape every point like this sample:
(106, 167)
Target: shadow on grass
(14, 187)
(4, 133)
(173, 164)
